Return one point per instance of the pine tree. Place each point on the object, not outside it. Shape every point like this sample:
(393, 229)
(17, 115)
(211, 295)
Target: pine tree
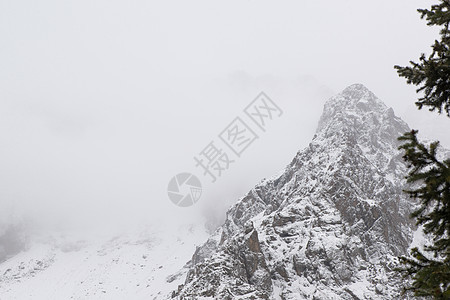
(431, 276)
(429, 269)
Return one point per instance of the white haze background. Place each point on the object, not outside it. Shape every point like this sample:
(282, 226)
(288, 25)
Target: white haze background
(102, 102)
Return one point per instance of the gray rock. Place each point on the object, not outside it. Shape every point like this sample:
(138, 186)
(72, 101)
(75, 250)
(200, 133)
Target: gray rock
(329, 227)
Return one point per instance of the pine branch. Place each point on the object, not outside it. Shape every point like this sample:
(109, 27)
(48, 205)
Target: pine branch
(430, 277)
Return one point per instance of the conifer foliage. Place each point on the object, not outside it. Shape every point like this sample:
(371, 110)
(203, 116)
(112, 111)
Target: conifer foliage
(429, 269)
(430, 276)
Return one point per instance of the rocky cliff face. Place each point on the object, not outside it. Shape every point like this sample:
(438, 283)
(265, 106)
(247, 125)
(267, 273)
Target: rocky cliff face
(329, 227)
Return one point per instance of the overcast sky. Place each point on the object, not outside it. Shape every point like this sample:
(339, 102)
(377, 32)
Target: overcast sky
(102, 102)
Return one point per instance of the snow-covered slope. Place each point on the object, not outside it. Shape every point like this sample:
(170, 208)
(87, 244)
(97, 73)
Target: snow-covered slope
(148, 265)
(329, 227)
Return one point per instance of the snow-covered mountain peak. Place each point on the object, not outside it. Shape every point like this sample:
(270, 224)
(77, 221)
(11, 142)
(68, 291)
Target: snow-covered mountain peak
(356, 118)
(356, 108)
(329, 227)
(355, 97)
(359, 91)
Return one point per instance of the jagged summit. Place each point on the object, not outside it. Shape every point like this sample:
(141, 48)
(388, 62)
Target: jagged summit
(357, 91)
(357, 107)
(358, 118)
